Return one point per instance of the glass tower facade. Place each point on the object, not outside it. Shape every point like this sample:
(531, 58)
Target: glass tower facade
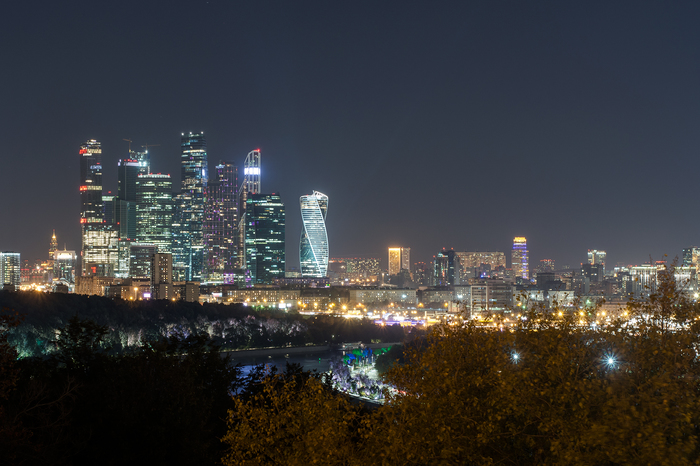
(264, 238)
(221, 221)
(99, 246)
(190, 206)
(10, 270)
(154, 210)
(519, 258)
(313, 246)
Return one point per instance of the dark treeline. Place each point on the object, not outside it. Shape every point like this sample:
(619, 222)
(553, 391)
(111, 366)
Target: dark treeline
(164, 402)
(130, 323)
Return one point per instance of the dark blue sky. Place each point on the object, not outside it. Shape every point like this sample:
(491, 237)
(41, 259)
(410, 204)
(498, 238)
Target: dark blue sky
(428, 124)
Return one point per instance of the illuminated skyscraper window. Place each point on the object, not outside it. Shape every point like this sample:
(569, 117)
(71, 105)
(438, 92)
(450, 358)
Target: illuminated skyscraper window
(313, 246)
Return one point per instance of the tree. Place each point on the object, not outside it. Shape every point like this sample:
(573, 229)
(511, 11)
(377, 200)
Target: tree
(558, 388)
(293, 419)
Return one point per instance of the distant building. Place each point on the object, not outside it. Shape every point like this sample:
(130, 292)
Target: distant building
(96, 239)
(221, 222)
(264, 238)
(519, 258)
(447, 268)
(486, 296)
(100, 250)
(373, 295)
(10, 271)
(596, 257)
(313, 245)
(190, 206)
(399, 259)
(154, 210)
(251, 183)
(140, 262)
(64, 263)
(162, 276)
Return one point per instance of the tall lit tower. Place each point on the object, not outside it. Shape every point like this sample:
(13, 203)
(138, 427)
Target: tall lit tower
(99, 239)
(596, 257)
(250, 184)
(264, 240)
(519, 258)
(220, 223)
(189, 222)
(154, 210)
(399, 259)
(91, 182)
(313, 246)
(54, 245)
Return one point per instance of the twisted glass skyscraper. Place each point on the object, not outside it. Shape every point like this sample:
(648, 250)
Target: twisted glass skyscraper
(313, 247)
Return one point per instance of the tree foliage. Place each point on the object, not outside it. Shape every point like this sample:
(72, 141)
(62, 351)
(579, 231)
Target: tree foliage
(556, 389)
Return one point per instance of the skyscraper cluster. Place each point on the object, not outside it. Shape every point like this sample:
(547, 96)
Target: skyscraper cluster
(212, 229)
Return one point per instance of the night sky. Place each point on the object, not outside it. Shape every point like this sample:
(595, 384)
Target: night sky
(428, 124)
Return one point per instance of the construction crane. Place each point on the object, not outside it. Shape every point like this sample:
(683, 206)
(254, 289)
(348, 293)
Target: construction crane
(150, 145)
(129, 141)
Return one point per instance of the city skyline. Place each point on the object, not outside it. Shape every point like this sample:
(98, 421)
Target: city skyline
(503, 105)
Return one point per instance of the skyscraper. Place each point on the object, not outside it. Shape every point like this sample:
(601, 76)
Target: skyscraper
(64, 266)
(264, 240)
(447, 268)
(10, 270)
(128, 171)
(399, 259)
(251, 184)
(99, 239)
(313, 245)
(596, 257)
(394, 261)
(91, 182)
(53, 247)
(190, 206)
(519, 258)
(154, 210)
(221, 222)
(162, 276)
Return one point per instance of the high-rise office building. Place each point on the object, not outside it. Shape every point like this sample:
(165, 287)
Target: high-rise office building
(190, 207)
(447, 268)
(394, 261)
(221, 222)
(128, 171)
(264, 240)
(96, 234)
(91, 182)
(596, 257)
(64, 266)
(399, 259)
(100, 250)
(141, 259)
(10, 271)
(154, 210)
(313, 245)
(162, 276)
(250, 184)
(519, 258)
(406, 259)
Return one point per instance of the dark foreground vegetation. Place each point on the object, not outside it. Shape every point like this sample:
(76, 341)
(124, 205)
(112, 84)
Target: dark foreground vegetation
(130, 323)
(554, 390)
